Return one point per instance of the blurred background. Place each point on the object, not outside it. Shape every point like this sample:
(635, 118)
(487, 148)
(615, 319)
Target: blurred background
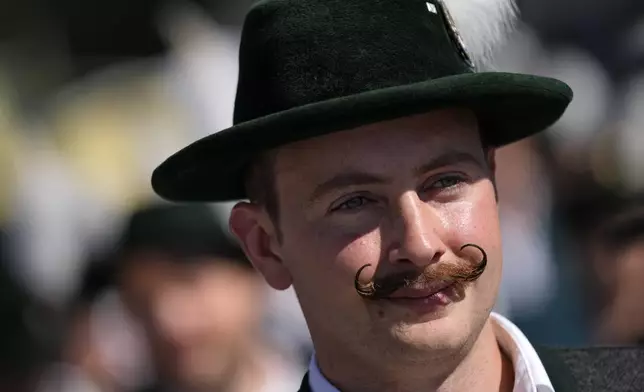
(93, 95)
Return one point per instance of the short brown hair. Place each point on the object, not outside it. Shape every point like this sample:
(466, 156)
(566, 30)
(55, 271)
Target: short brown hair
(260, 183)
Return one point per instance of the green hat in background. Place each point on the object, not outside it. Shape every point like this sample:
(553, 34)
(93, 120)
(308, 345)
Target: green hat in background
(312, 67)
(183, 232)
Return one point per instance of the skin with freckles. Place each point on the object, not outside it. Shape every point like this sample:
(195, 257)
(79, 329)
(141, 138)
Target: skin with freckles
(403, 196)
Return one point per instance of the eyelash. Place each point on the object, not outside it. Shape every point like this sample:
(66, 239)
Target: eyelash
(343, 205)
(452, 177)
(458, 179)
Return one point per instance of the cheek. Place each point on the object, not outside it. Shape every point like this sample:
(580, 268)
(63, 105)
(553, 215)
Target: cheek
(475, 222)
(229, 306)
(329, 257)
(366, 249)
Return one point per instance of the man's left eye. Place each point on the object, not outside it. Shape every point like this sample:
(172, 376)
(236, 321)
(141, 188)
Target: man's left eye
(447, 182)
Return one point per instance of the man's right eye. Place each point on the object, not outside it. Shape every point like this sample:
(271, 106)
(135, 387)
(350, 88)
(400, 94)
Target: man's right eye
(352, 204)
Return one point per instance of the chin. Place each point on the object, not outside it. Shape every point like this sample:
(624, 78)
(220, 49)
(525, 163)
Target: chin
(197, 379)
(447, 330)
(201, 370)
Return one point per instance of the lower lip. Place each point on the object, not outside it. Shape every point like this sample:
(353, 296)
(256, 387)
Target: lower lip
(424, 305)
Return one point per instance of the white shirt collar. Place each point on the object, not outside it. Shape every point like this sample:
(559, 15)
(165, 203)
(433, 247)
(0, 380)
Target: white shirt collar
(529, 373)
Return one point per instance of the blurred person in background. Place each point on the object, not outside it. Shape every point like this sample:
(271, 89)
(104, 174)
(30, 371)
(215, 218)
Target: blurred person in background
(80, 349)
(136, 90)
(103, 350)
(199, 302)
(24, 349)
(617, 269)
(529, 278)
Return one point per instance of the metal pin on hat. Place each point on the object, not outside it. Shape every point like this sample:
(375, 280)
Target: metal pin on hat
(453, 31)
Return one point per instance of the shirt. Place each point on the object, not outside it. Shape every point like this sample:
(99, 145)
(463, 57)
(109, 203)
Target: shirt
(529, 373)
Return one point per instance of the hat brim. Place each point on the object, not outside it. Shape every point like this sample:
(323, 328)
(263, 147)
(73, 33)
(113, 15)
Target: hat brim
(509, 107)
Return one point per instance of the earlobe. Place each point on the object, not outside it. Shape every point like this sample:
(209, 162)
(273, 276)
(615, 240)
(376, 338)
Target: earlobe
(258, 238)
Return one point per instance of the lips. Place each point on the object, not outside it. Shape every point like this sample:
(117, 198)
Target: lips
(420, 292)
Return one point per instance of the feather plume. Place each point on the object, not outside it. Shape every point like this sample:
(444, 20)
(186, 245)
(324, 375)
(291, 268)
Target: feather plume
(484, 25)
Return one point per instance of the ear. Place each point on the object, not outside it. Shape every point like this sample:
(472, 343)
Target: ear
(258, 237)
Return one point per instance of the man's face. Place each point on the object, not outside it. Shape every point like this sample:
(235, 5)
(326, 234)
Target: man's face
(402, 196)
(621, 321)
(197, 315)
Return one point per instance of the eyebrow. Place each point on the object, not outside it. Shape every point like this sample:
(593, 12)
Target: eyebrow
(357, 178)
(448, 159)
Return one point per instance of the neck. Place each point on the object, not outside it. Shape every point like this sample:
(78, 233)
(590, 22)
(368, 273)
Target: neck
(247, 372)
(481, 367)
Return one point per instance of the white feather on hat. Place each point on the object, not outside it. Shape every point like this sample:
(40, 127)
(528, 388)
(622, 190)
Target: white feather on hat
(483, 26)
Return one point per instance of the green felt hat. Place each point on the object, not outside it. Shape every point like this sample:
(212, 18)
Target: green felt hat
(312, 67)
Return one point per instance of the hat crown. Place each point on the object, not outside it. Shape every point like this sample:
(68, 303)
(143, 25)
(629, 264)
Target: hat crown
(308, 68)
(298, 52)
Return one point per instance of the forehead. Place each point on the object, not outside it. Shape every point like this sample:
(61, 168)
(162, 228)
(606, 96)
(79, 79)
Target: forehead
(152, 271)
(396, 142)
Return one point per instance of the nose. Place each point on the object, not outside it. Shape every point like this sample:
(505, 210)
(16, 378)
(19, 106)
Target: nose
(417, 233)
